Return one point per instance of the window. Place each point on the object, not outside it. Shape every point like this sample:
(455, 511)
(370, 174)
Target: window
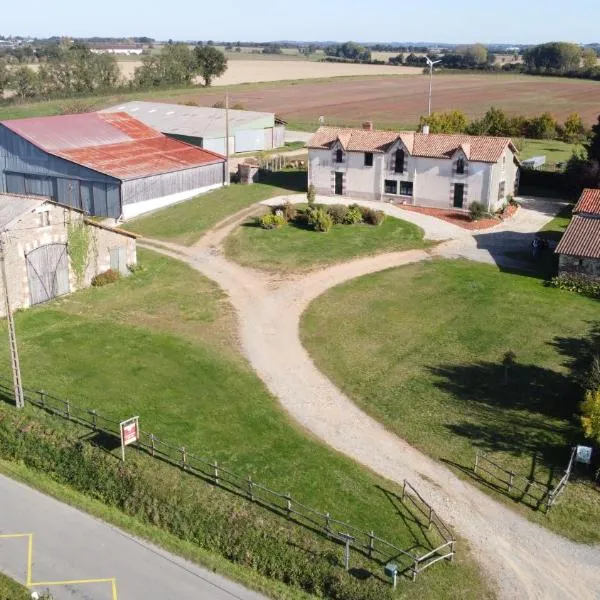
(368, 159)
(501, 190)
(391, 186)
(399, 162)
(460, 166)
(339, 156)
(44, 218)
(406, 188)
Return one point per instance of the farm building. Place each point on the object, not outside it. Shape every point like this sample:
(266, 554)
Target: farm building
(51, 250)
(104, 164)
(422, 169)
(204, 126)
(579, 248)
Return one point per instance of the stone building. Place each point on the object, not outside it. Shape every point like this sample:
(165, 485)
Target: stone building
(579, 248)
(51, 250)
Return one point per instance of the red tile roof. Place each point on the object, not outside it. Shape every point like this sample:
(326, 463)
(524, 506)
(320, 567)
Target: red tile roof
(589, 202)
(112, 143)
(432, 145)
(582, 238)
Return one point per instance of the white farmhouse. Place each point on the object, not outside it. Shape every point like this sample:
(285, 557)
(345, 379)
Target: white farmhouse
(422, 169)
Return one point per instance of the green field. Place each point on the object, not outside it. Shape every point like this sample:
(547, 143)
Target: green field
(11, 590)
(296, 248)
(162, 344)
(420, 348)
(185, 223)
(554, 150)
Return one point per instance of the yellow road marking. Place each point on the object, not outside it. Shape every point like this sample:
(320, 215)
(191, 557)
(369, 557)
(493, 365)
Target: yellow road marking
(8, 536)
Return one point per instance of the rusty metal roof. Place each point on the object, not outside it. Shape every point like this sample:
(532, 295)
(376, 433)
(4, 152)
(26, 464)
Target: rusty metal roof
(112, 143)
(582, 238)
(589, 202)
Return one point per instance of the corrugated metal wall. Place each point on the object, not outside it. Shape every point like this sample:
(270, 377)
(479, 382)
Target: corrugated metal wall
(159, 186)
(250, 140)
(26, 169)
(278, 136)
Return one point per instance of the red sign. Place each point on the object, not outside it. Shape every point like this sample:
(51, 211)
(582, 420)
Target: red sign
(130, 433)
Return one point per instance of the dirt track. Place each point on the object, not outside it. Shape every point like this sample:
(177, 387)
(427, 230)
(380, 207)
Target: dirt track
(524, 559)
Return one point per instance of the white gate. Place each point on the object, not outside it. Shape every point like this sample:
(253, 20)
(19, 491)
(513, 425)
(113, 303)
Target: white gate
(48, 272)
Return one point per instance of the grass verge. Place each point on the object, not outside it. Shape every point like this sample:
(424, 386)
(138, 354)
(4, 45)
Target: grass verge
(161, 344)
(185, 223)
(420, 348)
(296, 248)
(11, 590)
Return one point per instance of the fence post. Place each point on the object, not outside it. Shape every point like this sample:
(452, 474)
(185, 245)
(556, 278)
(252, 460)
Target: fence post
(94, 421)
(42, 394)
(452, 550)
(404, 489)
(476, 462)
(68, 409)
(430, 517)
(250, 488)
(511, 478)
(371, 543)
(288, 498)
(216, 467)
(183, 459)
(415, 569)
(152, 445)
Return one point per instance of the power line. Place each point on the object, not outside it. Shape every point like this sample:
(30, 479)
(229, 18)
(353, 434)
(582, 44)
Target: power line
(12, 336)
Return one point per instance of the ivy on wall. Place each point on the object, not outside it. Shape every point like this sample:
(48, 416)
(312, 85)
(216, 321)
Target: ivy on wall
(79, 240)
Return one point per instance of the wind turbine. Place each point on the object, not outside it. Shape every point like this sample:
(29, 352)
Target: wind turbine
(430, 63)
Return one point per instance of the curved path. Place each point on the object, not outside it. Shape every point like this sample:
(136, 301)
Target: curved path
(524, 559)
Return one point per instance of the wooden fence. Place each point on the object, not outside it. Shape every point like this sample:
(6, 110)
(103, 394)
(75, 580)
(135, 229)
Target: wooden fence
(367, 543)
(531, 492)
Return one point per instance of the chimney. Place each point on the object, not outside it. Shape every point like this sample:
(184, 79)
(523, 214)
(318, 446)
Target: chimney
(368, 126)
(425, 129)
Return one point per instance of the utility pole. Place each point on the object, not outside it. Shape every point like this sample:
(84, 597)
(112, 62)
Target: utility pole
(227, 174)
(12, 336)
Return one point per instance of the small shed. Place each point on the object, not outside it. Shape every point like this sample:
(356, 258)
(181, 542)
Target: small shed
(579, 248)
(51, 250)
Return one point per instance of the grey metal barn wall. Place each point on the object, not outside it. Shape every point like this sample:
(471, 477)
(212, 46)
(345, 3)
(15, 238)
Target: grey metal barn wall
(159, 186)
(26, 169)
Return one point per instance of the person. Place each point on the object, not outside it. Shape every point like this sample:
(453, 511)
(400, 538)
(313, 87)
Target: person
(536, 245)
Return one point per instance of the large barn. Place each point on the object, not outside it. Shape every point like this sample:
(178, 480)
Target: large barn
(106, 164)
(204, 126)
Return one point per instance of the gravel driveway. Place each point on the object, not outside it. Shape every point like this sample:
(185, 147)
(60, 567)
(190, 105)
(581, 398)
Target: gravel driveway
(523, 559)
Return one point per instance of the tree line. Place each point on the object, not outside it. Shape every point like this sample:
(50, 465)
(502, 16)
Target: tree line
(77, 70)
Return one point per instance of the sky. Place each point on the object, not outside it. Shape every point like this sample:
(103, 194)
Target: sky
(457, 21)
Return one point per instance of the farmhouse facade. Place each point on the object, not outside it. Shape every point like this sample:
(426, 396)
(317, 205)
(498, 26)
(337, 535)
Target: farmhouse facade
(579, 248)
(51, 250)
(106, 164)
(422, 169)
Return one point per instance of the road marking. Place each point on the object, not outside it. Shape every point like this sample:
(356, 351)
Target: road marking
(8, 536)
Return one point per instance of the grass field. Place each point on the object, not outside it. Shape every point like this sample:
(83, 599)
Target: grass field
(295, 248)
(420, 349)
(554, 150)
(11, 590)
(161, 344)
(186, 222)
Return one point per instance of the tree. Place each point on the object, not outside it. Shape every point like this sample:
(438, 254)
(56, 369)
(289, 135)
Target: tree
(553, 56)
(210, 63)
(453, 121)
(542, 127)
(175, 65)
(589, 58)
(573, 127)
(494, 122)
(593, 147)
(4, 76)
(590, 415)
(25, 82)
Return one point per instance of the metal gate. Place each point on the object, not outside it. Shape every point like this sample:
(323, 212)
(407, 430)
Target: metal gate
(48, 272)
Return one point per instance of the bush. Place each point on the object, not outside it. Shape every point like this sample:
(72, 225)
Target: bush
(371, 216)
(105, 278)
(577, 282)
(318, 219)
(477, 211)
(354, 215)
(272, 221)
(338, 213)
(288, 210)
(311, 194)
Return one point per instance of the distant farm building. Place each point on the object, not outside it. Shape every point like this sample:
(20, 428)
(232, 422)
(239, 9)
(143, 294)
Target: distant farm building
(119, 49)
(579, 247)
(52, 250)
(205, 126)
(106, 164)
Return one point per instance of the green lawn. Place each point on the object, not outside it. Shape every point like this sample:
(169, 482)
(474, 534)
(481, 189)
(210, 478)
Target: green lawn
(555, 228)
(554, 150)
(294, 248)
(11, 590)
(185, 223)
(162, 344)
(420, 348)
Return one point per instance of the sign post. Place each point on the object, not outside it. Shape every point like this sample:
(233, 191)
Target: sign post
(130, 433)
(584, 455)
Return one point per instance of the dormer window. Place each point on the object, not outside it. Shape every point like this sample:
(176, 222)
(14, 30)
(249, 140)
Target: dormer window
(339, 156)
(460, 166)
(399, 161)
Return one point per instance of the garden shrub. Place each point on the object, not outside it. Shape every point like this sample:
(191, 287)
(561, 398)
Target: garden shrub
(371, 216)
(105, 278)
(272, 221)
(311, 194)
(319, 219)
(577, 282)
(353, 216)
(163, 496)
(338, 213)
(287, 210)
(477, 211)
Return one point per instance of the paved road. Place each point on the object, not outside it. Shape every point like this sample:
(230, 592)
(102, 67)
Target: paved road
(70, 546)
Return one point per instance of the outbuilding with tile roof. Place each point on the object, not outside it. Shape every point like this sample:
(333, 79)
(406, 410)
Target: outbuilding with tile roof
(106, 164)
(423, 169)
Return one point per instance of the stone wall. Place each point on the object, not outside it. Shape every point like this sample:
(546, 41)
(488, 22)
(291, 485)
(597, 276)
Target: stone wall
(575, 264)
